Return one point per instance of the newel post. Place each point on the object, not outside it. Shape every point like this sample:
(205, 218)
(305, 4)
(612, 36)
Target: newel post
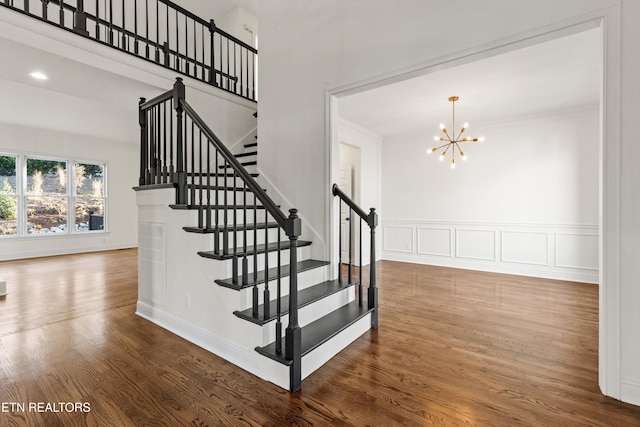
(372, 220)
(180, 178)
(142, 120)
(80, 19)
(293, 333)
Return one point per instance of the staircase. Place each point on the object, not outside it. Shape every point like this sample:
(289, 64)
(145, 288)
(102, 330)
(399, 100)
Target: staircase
(285, 303)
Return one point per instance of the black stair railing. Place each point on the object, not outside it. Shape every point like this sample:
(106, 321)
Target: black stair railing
(159, 31)
(177, 148)
(371, 220)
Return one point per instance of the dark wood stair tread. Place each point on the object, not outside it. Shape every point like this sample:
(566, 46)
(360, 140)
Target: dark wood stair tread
(251, 144)
(196, 207)
(214, 187)
(230, 227)
(249, 153)
(220, 174)
(262, 248)
(305, 297)
(250, 163)
(322, 330)
(305, 265)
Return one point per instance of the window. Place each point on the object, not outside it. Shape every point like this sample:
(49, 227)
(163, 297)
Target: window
(44, 196)
(8, 196)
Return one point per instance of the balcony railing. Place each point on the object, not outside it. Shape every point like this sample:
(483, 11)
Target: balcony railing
(159, 31)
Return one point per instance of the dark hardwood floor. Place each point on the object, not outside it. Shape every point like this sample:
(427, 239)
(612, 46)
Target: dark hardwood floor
(454, 347)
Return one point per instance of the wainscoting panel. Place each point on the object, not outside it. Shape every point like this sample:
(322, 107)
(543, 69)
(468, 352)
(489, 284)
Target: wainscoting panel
(577, 250)
(525, 247)
(151, 263)
(398, 239)
(555, 251)
(476, 244)
(435, 241)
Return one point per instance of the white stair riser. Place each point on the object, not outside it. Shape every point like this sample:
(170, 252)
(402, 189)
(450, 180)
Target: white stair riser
(189, 217)
(309, 313)
(230, 194)
(305, 279)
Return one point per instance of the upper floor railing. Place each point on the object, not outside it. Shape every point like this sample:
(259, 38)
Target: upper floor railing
(159, 31)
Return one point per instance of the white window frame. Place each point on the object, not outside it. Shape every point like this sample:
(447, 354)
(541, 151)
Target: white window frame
(71, 196)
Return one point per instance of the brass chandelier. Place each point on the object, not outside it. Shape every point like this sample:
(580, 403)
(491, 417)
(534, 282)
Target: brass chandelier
(453, 140)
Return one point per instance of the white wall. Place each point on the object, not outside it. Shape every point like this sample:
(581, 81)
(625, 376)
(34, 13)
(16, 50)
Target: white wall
(525, 202)
(313, 49)
(368, 185)
(122, 174)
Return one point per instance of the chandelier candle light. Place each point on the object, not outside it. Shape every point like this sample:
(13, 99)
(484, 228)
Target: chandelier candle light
(452, 140)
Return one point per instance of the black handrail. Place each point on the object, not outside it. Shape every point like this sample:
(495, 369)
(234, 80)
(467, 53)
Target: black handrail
(371, 219)
(219, 59)
(197, 150)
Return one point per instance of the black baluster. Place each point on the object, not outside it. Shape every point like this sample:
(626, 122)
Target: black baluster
(159, 152)
(165, 170)
(124, 26)
(350, 267)
(152, 144)
(193, 167)
(279, 298)
(360, 268)
(45, 11)
(225, 231)
(177, 56)
(146, 14)
(135, 27)
(111, 22)
(186, 45)
(234, 260)
(98, 20)
(212, 70)
(266, 296)
(157, 31)
(216, 235)
(200, 204)
(340, 242)
(202, 68)
(373, 290)
(26, 5)
(228, 69)
(61, 13)
(171, 168)
(142, 120)
(195, 51)
(245, 261)
(208, 220)
(255, 258)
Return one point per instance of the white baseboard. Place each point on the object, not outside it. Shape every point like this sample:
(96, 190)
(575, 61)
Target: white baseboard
(630, 392)
(66, 251)
(571, 276)
(227, 350)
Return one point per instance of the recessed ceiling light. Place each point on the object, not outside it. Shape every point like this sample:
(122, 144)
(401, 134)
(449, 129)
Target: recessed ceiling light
(39, 75)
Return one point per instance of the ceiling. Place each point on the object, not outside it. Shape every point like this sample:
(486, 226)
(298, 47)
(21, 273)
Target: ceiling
(557, 75)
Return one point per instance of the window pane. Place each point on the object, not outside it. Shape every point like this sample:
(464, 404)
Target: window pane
(89, 214)
(46, 214)
(8, 215)
(46, 177)
(7, 175)
(8, 199)
(89, 179)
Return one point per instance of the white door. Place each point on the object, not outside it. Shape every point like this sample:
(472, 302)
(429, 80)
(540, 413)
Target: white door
(346, 185)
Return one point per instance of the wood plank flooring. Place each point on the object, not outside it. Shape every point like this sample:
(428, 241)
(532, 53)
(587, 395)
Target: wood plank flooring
(454, 348)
